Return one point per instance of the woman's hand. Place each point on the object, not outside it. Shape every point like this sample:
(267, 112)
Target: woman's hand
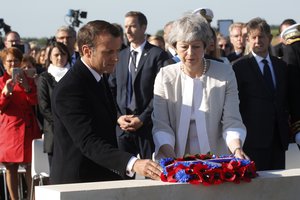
(239, 153)
(9, 87)
(165, 151)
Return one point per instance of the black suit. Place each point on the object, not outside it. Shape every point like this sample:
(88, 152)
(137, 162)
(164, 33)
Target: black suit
(152, 59)
(85, 145)
(233, 56)
(291, 55)
(278, 50)
(264, 113)
(45, 85)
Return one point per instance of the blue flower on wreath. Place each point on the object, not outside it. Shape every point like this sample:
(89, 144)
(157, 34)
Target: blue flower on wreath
(243, 162)
(212, 165)
(165, 161)
(182, 177)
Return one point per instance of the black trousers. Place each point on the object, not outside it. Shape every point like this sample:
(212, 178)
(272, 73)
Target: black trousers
(135, 144)
(271, 158)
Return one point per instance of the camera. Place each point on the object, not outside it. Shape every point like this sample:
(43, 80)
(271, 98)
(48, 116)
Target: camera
(16, 71)
(21, 47)
(5, 27)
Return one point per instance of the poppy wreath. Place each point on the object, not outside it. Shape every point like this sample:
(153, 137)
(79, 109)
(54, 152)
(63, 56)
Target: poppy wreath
(207, 169)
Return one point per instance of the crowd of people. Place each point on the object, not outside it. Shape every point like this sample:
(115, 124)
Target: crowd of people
(110, 101)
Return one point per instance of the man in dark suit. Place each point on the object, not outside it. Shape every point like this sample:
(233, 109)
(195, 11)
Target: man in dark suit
(278, 49)
(237, 41)
(264, 99)
(291, 55)
(85, 146)
(67, 36)
(133, 87)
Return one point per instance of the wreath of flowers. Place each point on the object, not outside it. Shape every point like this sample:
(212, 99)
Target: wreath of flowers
(207, 169)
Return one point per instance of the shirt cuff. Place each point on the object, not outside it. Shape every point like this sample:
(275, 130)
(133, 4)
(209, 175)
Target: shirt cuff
(129, 168)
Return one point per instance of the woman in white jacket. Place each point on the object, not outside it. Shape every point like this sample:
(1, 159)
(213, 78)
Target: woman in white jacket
(196, 105)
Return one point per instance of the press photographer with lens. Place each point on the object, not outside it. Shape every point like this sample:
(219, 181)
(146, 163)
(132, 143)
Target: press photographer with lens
(18, 123)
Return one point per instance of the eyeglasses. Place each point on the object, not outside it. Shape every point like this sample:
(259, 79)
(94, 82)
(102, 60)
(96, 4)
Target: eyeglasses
(13, 61)
(13, 41)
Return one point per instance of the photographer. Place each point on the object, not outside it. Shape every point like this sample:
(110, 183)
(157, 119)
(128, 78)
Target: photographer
(18, 122)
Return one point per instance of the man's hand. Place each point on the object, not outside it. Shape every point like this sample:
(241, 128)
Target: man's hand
(129, 123)
(124, 121)
(148, 168)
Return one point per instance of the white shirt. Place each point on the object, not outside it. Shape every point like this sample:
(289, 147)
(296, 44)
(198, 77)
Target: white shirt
(192, 117)
(261, 65)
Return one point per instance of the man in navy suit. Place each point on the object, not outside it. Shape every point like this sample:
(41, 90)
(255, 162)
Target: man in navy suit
(67, 36)
(133, 87)
(266, 99)
(85, 145)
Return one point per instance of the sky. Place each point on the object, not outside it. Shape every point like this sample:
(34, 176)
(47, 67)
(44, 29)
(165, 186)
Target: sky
(40, 18)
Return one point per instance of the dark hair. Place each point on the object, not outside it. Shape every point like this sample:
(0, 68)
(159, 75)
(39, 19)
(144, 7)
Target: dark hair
(141, 17)
(12, 32)
(88, 34)
(28, 58)
(62, 48)
(286, 22)
(259, 23)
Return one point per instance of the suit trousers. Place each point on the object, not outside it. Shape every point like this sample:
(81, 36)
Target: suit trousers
(138, 142)
(272, 158)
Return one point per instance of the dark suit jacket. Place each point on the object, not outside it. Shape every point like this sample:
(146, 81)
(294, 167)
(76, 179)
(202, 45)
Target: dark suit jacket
(151, 61)
(263, 111)
(233, 56)
(291, 55)
(45, 85)
(277, 50)
(85, 146)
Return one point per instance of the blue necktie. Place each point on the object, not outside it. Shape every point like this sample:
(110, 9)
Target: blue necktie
(267, 75)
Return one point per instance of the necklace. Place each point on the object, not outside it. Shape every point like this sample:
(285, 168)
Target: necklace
(204, 68)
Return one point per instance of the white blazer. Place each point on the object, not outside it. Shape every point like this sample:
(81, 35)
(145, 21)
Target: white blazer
(221, 108)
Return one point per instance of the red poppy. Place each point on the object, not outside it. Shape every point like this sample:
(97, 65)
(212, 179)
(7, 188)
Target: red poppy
(208, 170)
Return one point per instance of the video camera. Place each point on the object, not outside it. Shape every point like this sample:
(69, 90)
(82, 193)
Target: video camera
(75, 15)
(5, 27)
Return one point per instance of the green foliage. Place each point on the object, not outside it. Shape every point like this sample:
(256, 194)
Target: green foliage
(160, 33)
(41, 42)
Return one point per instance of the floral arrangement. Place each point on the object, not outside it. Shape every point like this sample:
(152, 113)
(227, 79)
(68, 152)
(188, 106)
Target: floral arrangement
(207, 169)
